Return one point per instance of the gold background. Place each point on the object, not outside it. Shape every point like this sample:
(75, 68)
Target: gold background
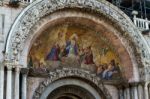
(102, 49)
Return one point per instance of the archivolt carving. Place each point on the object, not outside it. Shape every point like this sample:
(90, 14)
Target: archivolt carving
(40, 8)
(145, 73)
(70, 72)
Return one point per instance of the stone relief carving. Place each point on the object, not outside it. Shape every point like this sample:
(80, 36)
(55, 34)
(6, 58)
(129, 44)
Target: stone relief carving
(44, 7)
(147, 72)
(144, 73)
(70, 72)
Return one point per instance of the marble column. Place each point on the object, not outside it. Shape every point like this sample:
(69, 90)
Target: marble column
(132, 92)
(31, 1)
(135, 91)
(146, 90)
(1, 81)
(121, 96)
(17, 80)
(9, 83)
(24, 83)
(140, 91)
(149, 90)
(127, 93)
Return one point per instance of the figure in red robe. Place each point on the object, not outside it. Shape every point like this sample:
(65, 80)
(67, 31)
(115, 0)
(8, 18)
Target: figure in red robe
(88, 56)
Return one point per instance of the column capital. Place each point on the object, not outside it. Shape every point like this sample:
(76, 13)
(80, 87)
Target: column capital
(17, 68)
(8, 64)
(25, 71)
(9, 67)
(135, 84)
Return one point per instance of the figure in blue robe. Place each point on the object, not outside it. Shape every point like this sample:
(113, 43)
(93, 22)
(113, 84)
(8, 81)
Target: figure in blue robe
(71, 49)
(54, 53)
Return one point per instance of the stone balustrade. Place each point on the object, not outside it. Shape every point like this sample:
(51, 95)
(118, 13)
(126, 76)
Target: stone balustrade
(142, 24)
(26, 1)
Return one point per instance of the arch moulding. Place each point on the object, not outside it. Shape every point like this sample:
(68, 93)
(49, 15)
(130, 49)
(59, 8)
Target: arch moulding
(59, 74)
(20, 30)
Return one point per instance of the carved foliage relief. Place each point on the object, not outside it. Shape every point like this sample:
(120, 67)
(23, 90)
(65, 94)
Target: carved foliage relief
(44, 7)
(66, 72)
(20, 31)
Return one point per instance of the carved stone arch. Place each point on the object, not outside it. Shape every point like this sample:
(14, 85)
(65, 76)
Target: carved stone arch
(64, 74)
(40, 8)
(21, 29)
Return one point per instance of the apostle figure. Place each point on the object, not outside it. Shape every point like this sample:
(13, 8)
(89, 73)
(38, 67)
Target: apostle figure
(88, 58)
(72, 47)
(54, 53)
(111, 69)
(71, 53)
(100, 70)
(88, 62)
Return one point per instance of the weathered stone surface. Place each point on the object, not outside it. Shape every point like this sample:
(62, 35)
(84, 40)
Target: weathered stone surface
(21, 31)
(33, 13)
(68, 72)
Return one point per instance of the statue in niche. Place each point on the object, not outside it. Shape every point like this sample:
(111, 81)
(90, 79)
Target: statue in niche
(87, 60)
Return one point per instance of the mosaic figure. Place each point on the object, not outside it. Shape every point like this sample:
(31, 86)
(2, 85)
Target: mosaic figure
(88, 62)
(110, 70)
(71, 46)
(54, 53)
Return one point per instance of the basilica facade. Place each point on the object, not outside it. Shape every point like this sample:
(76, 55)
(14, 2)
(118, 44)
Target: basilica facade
(72, 49)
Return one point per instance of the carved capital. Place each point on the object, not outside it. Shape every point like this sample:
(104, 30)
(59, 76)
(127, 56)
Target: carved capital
(17, 69)
(25, 71)
(9, 67)
(134, 84)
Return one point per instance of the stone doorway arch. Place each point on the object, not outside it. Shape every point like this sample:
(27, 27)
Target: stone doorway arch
(73, 77)
(70, 92)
